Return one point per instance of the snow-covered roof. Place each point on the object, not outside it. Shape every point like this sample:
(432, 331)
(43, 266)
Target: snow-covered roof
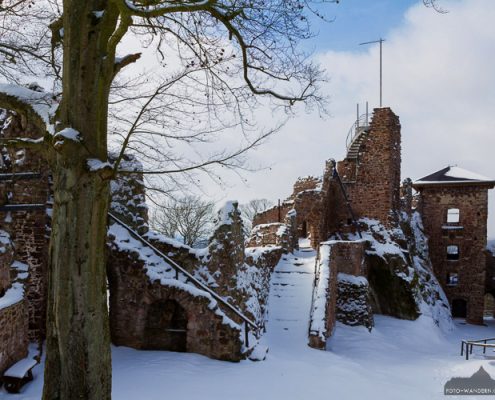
(453, 175)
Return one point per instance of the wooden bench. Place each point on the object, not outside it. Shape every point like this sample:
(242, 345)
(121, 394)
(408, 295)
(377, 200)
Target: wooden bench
(19, 374)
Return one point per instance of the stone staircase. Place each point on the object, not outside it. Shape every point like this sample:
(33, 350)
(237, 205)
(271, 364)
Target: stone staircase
(290, 301)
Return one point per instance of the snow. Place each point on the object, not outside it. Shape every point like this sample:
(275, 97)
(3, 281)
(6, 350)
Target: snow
(4, 241)
(157, 269)
(491, 246)
(41, 102)
(352, 279)
(19, 266)
(399, 359)
(156, 236)
(461, 173)
(381, 239)
(452, 228)
(19, 369)
(12, 296)
(95, 165)
(256, 252)
(318, 310)
(69, 134)
(226, 212)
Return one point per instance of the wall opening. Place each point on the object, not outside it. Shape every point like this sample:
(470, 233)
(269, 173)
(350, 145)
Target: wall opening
(453, 252)
(166, 326)
(304, 229)
(453, 215)
(489, 309)
(452, 279)
(459, 308)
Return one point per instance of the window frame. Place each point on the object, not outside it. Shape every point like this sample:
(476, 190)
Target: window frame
(453, 215)
(453, 256)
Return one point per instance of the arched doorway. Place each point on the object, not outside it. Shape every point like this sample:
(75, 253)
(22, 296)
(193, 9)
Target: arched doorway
(166, 326)
(489, 309)
(304, 230)
(459, 308)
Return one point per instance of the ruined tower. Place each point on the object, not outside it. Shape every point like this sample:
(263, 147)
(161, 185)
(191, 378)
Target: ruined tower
(454, 206)
(371, 169)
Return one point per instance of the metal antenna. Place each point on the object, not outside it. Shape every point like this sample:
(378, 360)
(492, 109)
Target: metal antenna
(381, 64)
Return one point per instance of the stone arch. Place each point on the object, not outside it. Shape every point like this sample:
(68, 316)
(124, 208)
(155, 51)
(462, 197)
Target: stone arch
(489, 305)
(304, 229)
(459, 308)
(166, 326)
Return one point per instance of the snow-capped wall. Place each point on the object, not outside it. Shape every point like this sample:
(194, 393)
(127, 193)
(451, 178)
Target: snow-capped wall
(322, 315)
(128, 199)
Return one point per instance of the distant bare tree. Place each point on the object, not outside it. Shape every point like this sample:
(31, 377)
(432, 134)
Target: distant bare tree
(434, 4)
(189, 217)
(253, 207)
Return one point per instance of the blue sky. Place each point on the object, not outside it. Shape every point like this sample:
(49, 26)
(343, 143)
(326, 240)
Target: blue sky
(357, 21)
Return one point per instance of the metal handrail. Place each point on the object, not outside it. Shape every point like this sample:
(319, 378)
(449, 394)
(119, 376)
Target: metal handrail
(467, 346)
(346, 198)
(190, 277)
(354, 131)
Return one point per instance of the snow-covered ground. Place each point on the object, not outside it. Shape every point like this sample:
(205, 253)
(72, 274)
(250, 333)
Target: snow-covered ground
(397, 360)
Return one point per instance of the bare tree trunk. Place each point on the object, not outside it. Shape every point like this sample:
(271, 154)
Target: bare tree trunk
(78, 342)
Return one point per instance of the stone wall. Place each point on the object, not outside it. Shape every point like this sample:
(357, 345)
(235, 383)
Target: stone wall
(373, 179)
(226, 249)
(29, 230)
(305, 183)
(13, 334)
(349, 257)
(324, 300)
(132, 297)
(341, 290)
(490, 272)
(353, 301)
(274, 214)
(267, 235)
(469, 235)
(6, 257)
(310, 209)
(128, 199)
(13, 306)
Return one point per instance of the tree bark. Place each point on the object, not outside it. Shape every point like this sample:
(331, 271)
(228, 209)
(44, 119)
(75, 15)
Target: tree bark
(78, 364)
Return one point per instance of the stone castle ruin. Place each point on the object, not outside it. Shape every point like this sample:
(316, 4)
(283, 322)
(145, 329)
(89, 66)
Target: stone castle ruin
(380, 250)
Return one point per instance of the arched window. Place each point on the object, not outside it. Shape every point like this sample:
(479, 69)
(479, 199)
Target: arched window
(453, 215)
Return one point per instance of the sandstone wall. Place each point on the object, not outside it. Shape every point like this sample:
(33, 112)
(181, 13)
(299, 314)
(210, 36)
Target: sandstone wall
(13, 334)
(274, 214)
(128, 199)
(6, 257)
(29, 230)
(373, 179)
(132, 296)
(305, 183)
(469, 235)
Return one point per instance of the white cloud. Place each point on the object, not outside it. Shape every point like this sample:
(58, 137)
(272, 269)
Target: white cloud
(439, 77)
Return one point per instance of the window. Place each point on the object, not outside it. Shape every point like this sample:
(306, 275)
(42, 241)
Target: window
(452, 252)
(453, 215)
(453, 279)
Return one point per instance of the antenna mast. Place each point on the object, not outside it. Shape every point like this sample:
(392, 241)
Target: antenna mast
(381, 64)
